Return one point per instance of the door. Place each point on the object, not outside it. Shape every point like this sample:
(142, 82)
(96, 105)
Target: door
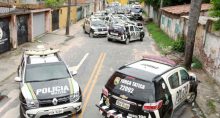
(4, 35)
(22, 32)
(185, 85)
(39, 24)
(174, 86)
(132, 33)
(137, 33)
(55, 20)
(163, 93)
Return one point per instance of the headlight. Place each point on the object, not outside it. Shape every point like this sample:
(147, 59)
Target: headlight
(32, 104)
(75, 97)
(132, 13)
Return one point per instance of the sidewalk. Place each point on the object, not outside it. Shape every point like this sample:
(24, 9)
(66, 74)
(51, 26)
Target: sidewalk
(9, 61)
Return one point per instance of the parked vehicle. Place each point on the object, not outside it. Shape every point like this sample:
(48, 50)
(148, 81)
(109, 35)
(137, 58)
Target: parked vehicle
(47, 87)
(95, 27)
(150, 88)
(136, 12)
(125, 33)
(127, 20)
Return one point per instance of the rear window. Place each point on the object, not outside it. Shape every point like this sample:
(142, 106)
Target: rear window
(133, 88)
(118, 29)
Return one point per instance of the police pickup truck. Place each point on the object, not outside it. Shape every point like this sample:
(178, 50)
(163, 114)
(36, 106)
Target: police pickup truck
(47, 87)
(125, 33)
(150, 88)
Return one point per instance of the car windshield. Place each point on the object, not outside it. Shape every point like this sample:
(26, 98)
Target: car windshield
(46, 72)
(131, 87)
(136, 10)
(98, 23)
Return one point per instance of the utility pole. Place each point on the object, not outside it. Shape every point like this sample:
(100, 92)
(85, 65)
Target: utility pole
(194, 14)
(68, 18)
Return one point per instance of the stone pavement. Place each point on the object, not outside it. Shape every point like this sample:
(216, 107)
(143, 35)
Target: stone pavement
(10, 60)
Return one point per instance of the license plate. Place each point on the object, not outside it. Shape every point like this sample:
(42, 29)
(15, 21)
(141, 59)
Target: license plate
(122, 104)
(56, 111)
(114, 34)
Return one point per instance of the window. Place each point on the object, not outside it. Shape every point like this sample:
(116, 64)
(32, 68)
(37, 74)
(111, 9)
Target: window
(174, 80)
(169, 23)
(131, 28)
(136, 29)
(184, 76)
(161, 89)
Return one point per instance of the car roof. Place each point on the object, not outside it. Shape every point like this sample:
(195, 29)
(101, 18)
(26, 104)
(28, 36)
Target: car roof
(147, 70)
(40, 56)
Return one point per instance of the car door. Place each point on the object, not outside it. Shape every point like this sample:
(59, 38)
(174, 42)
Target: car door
(137, 33)
(174, 87)
(132, 33)
(185, 84)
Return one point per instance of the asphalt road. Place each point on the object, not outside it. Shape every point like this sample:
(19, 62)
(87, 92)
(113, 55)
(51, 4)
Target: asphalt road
(103, 59)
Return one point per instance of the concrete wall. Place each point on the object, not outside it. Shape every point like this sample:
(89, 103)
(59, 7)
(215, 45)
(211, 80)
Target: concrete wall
(63, 16)
(152, 13)
(171, 26)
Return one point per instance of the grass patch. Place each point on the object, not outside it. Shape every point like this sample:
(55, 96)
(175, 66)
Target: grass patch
(211, 105)
(196, 63)
(164, 42)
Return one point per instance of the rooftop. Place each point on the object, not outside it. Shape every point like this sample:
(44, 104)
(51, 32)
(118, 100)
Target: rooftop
(183, 9)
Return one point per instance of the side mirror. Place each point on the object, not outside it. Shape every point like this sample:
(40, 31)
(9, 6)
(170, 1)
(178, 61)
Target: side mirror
(192, 76)
(73, 72)
(17, 79)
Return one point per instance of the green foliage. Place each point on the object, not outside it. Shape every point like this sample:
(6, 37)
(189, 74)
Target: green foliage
(215, 12)
(163, 41)
(211, 105)
(54, 3)
(179, 45)
(196, 63)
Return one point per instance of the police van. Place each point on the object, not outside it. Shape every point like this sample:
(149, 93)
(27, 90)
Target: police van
(125, 33)
(153, 87)
(47, 87)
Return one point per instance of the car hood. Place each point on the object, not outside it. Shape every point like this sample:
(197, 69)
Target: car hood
(49, 89)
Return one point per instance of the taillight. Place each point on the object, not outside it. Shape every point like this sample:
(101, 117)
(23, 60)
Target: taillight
(105, 91)
(153, 106)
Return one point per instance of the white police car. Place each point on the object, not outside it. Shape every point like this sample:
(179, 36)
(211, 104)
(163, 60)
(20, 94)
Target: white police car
(47, 86)
(149, 88)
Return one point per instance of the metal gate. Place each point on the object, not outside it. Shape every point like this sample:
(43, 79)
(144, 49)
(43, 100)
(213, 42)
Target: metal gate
(79, 13)
(55, 20)
(4, 35)
(22, 29)
(39, 24)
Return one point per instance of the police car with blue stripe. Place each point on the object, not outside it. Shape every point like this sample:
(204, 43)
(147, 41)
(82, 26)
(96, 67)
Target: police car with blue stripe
(153, 87)
(47, 86)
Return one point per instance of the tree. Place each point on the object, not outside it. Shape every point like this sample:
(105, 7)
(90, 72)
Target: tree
(54, 3)
(215, 12)
(194, 14)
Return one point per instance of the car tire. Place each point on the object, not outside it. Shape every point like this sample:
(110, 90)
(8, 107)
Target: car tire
(21, 113)
(91, 34)
(79, 112)
(192, 97)
(142, 37)
(127, 41)
(168, 114)
(109, 39)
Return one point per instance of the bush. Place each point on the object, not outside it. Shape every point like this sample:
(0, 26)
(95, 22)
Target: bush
(178, 45)
(196, 63)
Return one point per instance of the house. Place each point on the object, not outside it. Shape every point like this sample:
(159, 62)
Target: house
(170, 18)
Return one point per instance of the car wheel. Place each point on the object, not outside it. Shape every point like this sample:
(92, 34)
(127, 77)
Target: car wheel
(79, 112)
(21, 113)
(109, 39)
(91, 34)
(192, 97)
(168, 114)
(127, 41)
(142, 37)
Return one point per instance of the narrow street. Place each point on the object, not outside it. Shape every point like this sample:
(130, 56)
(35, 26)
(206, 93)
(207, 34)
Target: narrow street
(103, 59)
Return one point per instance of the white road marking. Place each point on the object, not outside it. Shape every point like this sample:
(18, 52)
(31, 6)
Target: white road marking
(75, 68)
(12, 95)
(12, 113)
